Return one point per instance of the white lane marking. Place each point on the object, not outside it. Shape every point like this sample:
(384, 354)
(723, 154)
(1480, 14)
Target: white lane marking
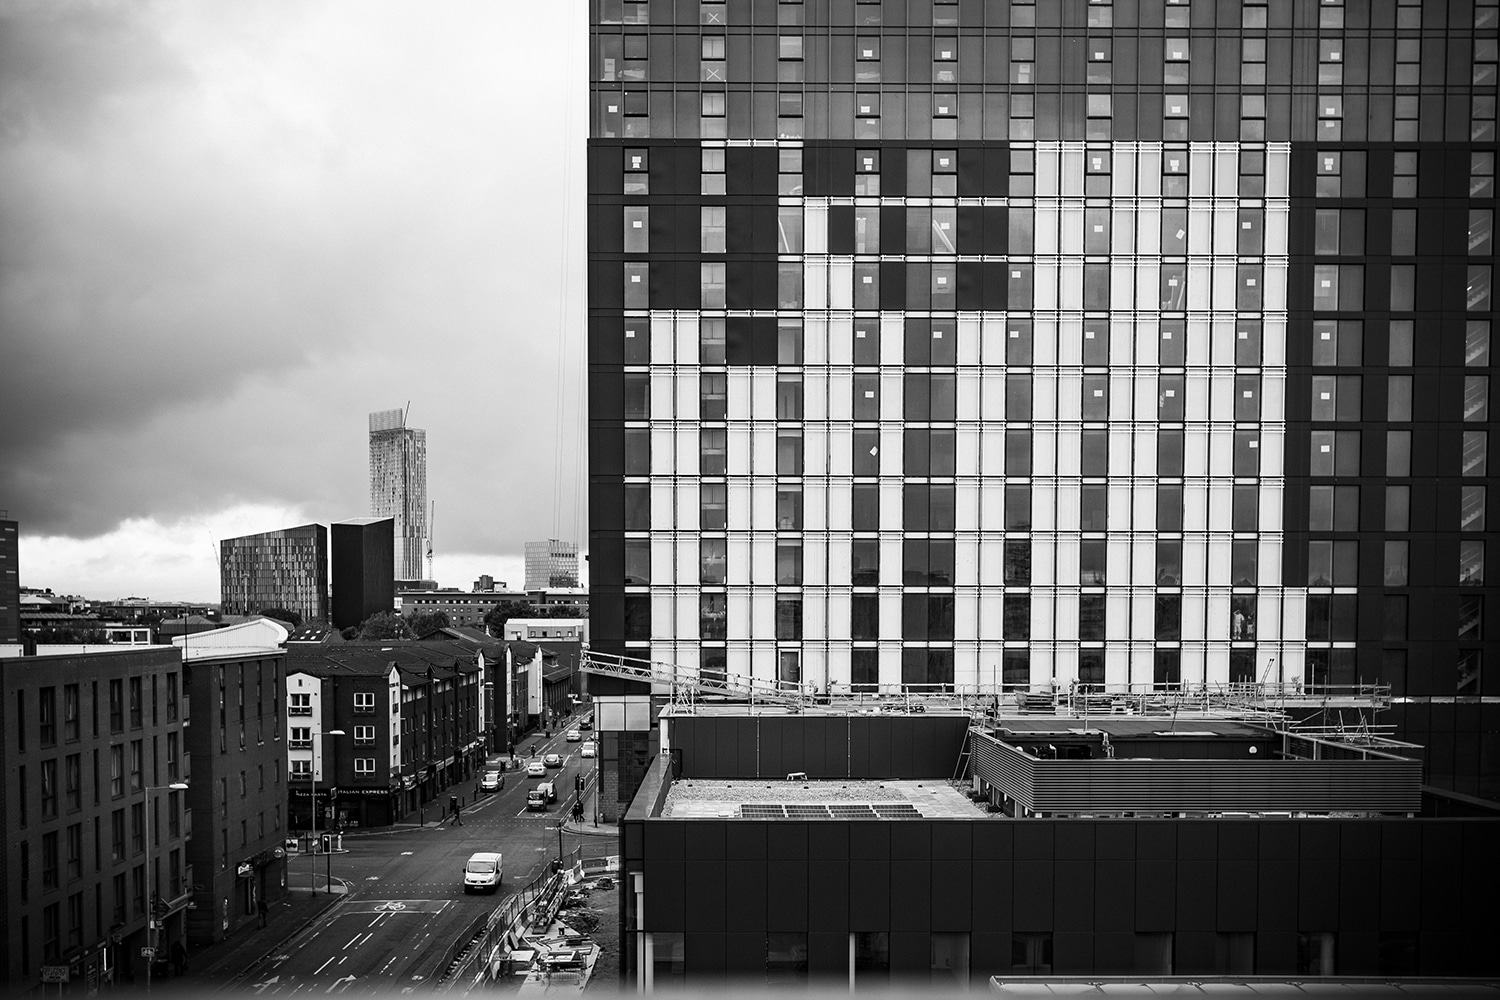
(323, 966)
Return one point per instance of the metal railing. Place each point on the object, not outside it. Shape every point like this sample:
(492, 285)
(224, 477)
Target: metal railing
(471, 960)
(687, 687)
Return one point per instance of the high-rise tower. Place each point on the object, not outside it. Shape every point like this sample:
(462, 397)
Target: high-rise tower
(398, 487)
(1094, 342)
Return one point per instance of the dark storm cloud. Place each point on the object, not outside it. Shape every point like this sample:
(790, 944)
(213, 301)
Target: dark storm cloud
(227, 232)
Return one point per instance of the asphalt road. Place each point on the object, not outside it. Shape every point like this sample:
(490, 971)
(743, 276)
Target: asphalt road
(406, 903)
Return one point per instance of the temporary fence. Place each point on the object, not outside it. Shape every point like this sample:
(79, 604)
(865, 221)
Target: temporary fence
(477, 955)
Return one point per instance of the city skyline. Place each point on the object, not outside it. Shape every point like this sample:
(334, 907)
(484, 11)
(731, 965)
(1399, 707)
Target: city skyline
(244, 232)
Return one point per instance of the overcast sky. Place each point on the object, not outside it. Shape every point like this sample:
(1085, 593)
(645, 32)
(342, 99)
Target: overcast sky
(230, 231)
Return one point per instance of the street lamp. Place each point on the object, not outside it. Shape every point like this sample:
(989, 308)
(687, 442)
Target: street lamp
(151, 920)
(314, 845)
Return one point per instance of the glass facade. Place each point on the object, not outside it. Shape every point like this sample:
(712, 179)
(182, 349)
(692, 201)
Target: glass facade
(1077, 343)
(276, 569)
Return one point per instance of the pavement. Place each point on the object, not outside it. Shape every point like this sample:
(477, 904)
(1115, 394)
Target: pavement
(218, 966)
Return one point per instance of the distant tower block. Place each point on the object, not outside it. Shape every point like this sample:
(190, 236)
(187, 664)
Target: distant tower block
(398, 486)
(551, 564)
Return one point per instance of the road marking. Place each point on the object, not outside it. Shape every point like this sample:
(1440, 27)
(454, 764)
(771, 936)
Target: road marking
(351, 941)
(406, 854)
(372, 878)
(324, 965)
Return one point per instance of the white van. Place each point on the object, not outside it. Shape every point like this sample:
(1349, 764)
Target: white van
(483, 871)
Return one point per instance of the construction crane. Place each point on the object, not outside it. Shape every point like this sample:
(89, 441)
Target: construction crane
(431, 522)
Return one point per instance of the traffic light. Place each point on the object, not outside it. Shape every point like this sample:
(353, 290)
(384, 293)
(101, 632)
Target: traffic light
(326, 843)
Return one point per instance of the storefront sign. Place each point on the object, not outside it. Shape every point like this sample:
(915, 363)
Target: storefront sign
(54, 973)
(245, 869)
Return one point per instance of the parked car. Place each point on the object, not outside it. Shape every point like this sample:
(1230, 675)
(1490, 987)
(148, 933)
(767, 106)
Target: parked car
(574, 736)
(587, 750)
(553, 760)
(548, 789)
(490, 781)
(536, 769)
(536, 800)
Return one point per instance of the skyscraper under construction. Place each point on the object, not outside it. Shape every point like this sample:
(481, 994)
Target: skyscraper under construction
(398, 487)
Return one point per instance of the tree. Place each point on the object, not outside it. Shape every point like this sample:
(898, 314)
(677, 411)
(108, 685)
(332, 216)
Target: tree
(420, 623)
(383, 625)
(496, 617)
(283, 615)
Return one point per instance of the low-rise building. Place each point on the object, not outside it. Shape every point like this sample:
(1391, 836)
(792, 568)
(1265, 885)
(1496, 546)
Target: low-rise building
(95, 836)
(378, 730)
(236, 682)
(772, 845)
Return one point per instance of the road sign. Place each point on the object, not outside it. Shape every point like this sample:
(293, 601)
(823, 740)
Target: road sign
(148, 952)
(54, 973)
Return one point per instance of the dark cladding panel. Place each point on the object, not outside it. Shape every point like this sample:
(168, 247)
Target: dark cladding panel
(668, 893)
(869, 895)
(952, 891)
(705, 840)
(770, 764)
(828, 892)
(1156, 896)
(746, 887)
(1278, 896)
(1031, 902)
(1073, 895)
(1197, 893)
(1114, 904)
(786, 895)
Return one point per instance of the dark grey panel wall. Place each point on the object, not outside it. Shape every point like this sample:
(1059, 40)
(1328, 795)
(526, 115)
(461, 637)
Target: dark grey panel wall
(1093, 885)
(771, 746)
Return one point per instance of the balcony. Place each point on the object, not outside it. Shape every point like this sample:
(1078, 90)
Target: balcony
(299, 710)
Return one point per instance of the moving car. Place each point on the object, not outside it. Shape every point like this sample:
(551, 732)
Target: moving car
(490, 781)
(587, 750)
(536, 800)
(552, 760)
(483, 872)
(574, 736)
(586, 723)
(548, 789)
(536, 769)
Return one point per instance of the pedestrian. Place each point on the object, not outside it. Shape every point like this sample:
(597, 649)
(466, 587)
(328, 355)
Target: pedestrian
(458, 819)
(262, 909)
(179, 956)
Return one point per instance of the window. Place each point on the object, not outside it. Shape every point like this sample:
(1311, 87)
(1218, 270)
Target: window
(712, 560)
(363, 736)
(116, 705)
(301, 738)
(711, 65)
(364, 702)
(637, 229)
(73, 781)
(713, 616)
(1482, 174)
(299, 704)
(712, 176)
(788, 617)
(637, 175)
(364, 765)
(1404, 170)
(1470, 563)
(1471, 509)
(1475, 452)
(49, 788)
(117, 770)
(299, 768)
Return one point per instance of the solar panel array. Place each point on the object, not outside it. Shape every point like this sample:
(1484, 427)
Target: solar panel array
(835, 810)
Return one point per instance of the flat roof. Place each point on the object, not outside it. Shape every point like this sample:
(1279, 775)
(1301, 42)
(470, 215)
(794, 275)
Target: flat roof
(763, 798)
